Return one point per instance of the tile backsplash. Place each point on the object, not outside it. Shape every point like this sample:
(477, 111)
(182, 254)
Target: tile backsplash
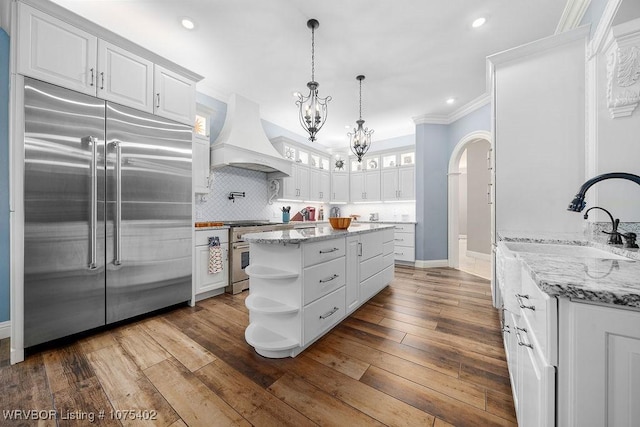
(216, 206)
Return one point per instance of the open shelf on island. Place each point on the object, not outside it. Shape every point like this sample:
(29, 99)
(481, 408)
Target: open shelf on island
(268, 343)
(262, 304)
(264, 272)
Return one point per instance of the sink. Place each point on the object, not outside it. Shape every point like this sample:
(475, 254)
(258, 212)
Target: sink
(561, 250)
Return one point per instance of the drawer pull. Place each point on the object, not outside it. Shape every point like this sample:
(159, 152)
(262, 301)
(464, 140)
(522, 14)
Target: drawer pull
(333, 277)
(398, 253)
(399, 240)
(329, 313)
(522, 304)
(399, 228)
(520, 342)
(328, 251)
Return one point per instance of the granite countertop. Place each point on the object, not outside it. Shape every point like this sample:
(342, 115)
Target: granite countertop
(608, 281)
(304, 235)
(219, 227)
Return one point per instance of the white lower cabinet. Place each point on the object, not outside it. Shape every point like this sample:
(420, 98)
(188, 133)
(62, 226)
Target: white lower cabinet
(298, 292)
(405, 242)
(599, 371)
(571, 363)
(209, 284)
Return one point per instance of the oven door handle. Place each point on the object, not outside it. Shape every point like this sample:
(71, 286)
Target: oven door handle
(240, 246)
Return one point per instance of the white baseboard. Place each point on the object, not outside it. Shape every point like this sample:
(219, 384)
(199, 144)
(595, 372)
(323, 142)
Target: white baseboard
(432, 263)
(479, 255)
(5, 329)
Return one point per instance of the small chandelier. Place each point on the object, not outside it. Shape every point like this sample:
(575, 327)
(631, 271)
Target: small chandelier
(360, 139)
(313, 109)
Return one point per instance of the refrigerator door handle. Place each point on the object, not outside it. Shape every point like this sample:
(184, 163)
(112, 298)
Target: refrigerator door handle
(93, 227)
(118, 219)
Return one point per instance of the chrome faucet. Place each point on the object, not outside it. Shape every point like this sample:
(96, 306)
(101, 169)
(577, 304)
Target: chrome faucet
(578, 203)
(615, 238)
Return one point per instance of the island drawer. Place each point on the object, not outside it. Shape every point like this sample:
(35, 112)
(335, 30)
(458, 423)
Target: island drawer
(324, 250)
(387, 235)
(540, 313)
(387, 248)
(324, 278)
(322, 314)
(371, 266)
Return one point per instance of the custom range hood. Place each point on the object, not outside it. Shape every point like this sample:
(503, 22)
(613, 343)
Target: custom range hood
(242, 142)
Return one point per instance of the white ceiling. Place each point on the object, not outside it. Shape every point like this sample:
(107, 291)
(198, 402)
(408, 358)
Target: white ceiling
(414, 53)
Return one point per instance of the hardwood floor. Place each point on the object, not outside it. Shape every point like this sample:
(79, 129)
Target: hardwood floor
(426, 351)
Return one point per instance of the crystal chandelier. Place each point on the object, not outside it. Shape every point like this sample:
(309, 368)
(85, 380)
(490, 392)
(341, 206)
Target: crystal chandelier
(313, 109)
(360, 139)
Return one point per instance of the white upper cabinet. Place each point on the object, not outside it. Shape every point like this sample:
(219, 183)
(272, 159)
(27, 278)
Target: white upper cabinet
(124, 77)
(398, 176)
(174, 95)
(340, 187)
(59, 52)
(54, 51)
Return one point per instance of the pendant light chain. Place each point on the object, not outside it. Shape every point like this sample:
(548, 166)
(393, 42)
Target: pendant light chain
(313, 54)
(360, 99)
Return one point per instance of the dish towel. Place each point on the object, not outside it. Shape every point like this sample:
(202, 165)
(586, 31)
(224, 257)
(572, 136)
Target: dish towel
(215, 256)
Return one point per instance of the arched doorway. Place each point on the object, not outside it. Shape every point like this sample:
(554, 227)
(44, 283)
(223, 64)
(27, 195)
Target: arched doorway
(454, 175)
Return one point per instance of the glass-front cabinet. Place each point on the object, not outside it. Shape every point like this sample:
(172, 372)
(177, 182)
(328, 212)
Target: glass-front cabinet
(398, 175)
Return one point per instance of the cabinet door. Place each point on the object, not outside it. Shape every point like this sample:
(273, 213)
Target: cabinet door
(339, 187)
(325, 186)
(372, 186)
(124, 78)
(56, 52)
(314, 184)
(390, 184)
(536, 394)
(356, 193)
(303, 183)
(290, 184)
(207, 282)
(407, 183)
(200, 165)
(174, 96)
(353, 278)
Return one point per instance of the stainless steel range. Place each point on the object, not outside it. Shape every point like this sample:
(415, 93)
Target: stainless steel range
(239, 250)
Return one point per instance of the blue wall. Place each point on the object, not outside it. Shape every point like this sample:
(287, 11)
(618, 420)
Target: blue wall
(593, 14)
(4, 176)
(434, 146)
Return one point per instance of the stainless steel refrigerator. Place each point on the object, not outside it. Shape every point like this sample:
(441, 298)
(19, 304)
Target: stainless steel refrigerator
(107, 201)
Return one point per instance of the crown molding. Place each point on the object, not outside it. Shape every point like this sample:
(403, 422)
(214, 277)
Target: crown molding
(601, 37)
(444, 119)
(541, 45)
(572, 15)
(470, 107)
(431, 119)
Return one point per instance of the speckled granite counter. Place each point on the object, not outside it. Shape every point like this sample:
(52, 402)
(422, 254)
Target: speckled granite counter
(320, 232)
(599, 280)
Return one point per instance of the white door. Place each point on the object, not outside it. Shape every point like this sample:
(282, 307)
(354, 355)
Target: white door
(56, 52)
(372, 186)
(303, 183)
(200, 165)
(536, 383)
(124, 78)
(356, 193)
(390, 184)
(339, 187)
(204, 280)
(174, 96)
(353, 276)
(325, 186)
(407, 183)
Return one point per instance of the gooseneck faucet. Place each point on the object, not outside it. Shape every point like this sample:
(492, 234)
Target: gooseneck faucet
(614, 236)
(578, 203)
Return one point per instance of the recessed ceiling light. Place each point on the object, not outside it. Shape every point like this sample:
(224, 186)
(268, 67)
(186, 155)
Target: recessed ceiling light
(451, 100)
(478, 22)
(188, 23)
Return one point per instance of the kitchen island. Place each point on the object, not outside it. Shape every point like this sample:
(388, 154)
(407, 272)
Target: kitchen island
(305, 281)
(571, 328)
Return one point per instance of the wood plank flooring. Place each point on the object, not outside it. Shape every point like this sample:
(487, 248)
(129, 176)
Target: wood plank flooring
(426, 351)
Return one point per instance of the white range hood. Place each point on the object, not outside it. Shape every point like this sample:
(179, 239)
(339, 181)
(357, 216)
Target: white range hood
(242, 142)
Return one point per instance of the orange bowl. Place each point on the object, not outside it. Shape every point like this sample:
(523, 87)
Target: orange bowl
(340, 223)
